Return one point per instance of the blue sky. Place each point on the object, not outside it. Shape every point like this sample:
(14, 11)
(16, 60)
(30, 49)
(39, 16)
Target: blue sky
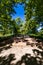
(19, 12)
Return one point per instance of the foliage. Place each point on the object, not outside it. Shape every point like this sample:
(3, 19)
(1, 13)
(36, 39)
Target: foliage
(6, 22)
(33, 14)
(19, 24)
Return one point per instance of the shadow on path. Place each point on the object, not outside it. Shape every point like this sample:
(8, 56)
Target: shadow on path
(6, 60)
(27, 59)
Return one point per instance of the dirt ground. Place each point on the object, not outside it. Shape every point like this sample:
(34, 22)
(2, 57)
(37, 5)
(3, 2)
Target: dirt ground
(22, 51)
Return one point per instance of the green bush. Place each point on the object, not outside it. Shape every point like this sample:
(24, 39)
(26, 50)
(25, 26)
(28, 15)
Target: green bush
(36, 36)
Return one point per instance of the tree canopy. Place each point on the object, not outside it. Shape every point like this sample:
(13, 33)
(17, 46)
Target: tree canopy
(33, 14)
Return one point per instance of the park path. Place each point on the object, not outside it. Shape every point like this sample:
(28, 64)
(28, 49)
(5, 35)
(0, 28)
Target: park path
(19, 49)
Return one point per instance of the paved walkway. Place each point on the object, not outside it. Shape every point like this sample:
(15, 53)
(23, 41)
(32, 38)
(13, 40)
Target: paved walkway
(11, 55)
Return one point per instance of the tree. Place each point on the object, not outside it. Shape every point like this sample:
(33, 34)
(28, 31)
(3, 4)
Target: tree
(19, 24)
(30, 26)
(6, 9)
(34, 12)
